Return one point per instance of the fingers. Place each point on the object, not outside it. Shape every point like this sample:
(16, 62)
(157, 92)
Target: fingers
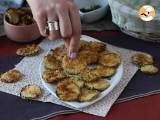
(67, 14)
(54, 35)
(76, 30)
(41, 18)
(66, 43)
(39, 14)
(52, 16)
(64, 20)
(62, 12)
(73, 46)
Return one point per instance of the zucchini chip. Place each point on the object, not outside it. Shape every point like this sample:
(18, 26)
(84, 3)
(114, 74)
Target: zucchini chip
(73, 66)
(142, 59)
(59, 52)
(109, 59)
(89, 75)
(12, 16)
(149, 69)
(11, 76)
(67, 90)
(83, 45)
(28, 50)
(76, 80)
(103, 71)
(99, 84)
(97, 46)
(88, 95)
(30, 92)
(89, 57)
(51, 63)
(51, 76)
(92, 46)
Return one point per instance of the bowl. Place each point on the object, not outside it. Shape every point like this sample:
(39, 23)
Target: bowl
(94, 15)
(21, 33)
(125, 15)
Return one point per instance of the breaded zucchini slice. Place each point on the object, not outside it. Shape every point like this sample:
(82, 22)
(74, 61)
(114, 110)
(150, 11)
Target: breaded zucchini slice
(76, 80)
(89, 56)
(103, 71)
(88, 95)
(11, 76)
(73, 66)
(28, 50)
(52, 76)
(142, 59)
(97, 46)
(50, 62)
(149, 69)
(30, 92)
(59, 52)
(99, 84)
(83, 45)
(67, 90)
(12, 16)
(109, 59)
(92, 46)
(89, 75)
(99, 71)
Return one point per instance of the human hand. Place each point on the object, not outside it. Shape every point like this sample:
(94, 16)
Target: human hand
(66, 13)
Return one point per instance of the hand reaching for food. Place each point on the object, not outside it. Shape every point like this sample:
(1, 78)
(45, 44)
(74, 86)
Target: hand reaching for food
(62, 20)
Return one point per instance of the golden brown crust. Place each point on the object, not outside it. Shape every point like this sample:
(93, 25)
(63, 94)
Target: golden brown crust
(99, 84)
(19, 16)
(73, 66)
(149, 69)
(51, 76)
(59, 52)
(89, 57)
(12, 16)
(88, 95)
(109, 59)
(30, 92)
(103, 71)
(92, 46)
(75, 80)
(11, 76)
(89, 75)
(142, 59)
(67, 90)
(50, 62)
(83, 45)
(97, 46)
(28, 50)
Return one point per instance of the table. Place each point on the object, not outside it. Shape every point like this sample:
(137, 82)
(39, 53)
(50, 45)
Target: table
(146, 108)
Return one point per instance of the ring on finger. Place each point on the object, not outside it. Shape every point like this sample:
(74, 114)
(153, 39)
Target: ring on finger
(53, 26)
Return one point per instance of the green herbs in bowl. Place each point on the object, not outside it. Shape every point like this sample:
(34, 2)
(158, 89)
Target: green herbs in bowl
(90, 8)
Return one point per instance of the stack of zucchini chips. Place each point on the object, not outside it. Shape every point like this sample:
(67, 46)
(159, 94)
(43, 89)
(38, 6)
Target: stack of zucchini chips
(83, 78)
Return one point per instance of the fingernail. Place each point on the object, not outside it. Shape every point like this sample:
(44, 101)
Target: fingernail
(73, 55)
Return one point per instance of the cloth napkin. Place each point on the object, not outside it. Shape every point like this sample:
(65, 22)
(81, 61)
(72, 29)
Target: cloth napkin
(30, 67)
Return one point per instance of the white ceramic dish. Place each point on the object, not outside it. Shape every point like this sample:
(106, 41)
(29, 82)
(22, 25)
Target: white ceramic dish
(113, 82)
(94, 15)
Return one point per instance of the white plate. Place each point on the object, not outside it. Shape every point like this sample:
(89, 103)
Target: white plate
(113, 82)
